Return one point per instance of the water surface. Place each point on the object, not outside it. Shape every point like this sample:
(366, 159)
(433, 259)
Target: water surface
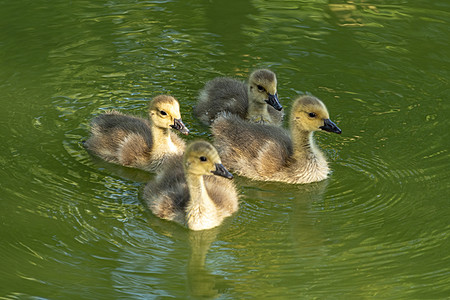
(75, 228)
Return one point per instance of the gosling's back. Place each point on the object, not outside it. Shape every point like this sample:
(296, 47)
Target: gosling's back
(247, 148)
(111, 130)
(222, 94)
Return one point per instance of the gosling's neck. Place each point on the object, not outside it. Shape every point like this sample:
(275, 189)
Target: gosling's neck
(201, 210)
(162, 140)
(309, 160)
(304, 147)
(257, 112)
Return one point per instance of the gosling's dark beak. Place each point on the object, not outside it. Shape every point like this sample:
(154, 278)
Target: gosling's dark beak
(178, 125)
(330, 127)
(273, 101)
(222, 171)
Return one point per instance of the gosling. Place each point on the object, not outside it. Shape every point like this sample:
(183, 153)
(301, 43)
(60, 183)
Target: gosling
(256, 101)
(135, 142)
(186, 192)
(271, 153)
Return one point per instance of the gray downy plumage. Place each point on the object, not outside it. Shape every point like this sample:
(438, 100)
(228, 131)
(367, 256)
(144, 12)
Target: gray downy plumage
(187, 192)
(270, 153)
(256, 101)
(135, 142)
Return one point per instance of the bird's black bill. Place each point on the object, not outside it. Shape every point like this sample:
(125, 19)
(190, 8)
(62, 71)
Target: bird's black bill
(273, 101)
(222, 171)
(330, 127)
(178, 125)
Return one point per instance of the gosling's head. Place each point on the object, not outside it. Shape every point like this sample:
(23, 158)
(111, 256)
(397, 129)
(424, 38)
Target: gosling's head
(201, 158)
(310, 114)
(164, 112)
(263, 88)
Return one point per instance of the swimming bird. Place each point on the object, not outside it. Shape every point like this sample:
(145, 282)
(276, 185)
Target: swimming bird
(256, 101)
(187, 191)
(270, 153)
(135, 142)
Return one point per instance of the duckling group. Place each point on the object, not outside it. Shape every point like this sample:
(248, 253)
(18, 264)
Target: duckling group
(192, 185)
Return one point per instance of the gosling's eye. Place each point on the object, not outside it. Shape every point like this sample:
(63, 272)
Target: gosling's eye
(163, 113)
(312, 115)
(202, 158)
(260, 88)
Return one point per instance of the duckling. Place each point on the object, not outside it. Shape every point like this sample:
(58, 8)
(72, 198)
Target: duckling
(135, 142)
(185, 191)
(270, 153)
(256, 101)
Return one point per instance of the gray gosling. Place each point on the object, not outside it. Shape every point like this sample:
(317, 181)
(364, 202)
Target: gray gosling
(186, 192)
(135, 142)
(256, 101)
(271, 153)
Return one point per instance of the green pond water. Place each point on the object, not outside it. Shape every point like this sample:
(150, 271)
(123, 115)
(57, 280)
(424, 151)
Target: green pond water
(74, 227)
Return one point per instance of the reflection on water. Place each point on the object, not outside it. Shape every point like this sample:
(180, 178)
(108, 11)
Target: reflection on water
(201, 283)
(74, 227)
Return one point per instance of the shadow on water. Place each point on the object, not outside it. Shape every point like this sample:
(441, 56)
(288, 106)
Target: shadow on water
(297, 209)
(244, 244)
(192, 247)
(131, 174)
